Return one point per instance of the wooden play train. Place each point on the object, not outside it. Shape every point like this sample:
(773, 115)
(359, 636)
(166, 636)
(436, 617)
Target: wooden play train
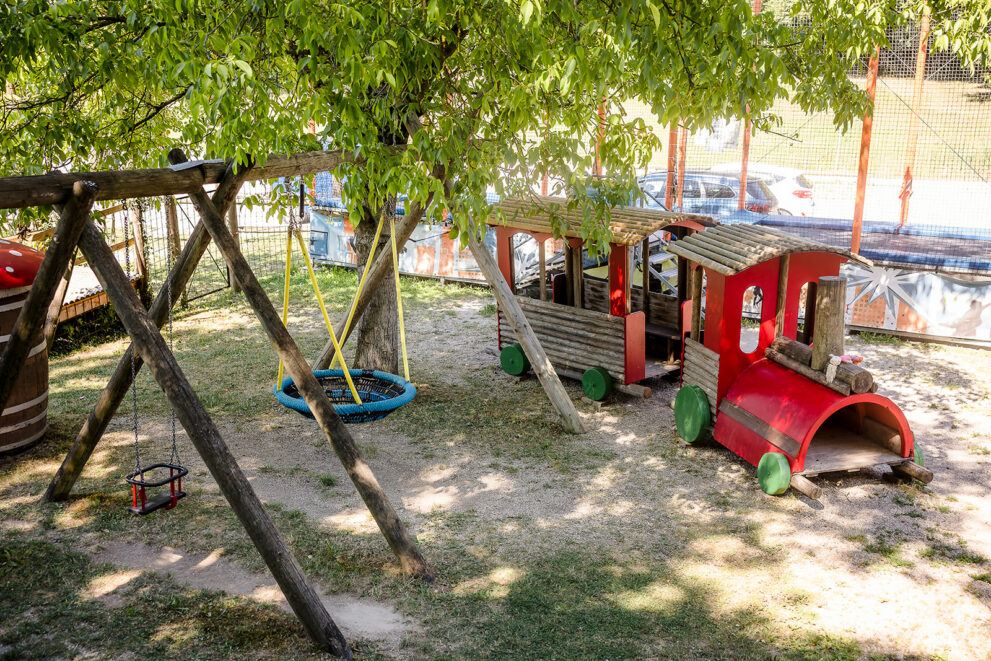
(780, 396)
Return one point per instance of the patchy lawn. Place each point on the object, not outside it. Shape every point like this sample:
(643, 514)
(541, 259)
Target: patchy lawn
(621, 543)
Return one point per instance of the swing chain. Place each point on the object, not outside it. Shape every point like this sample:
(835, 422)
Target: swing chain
(134, 370)
(174, 457)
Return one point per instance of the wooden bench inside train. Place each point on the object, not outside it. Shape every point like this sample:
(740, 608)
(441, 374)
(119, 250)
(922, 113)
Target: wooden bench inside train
(784, 396)
(608, 321)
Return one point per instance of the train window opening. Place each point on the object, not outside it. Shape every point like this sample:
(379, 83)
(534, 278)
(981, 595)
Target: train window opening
(753, 312)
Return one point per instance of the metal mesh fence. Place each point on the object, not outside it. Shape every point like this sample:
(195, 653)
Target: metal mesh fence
(929, 166)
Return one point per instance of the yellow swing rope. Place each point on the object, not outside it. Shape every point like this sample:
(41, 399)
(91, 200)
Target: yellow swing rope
(323, 309)
(399, 303)
(364, 276)
(326, 317)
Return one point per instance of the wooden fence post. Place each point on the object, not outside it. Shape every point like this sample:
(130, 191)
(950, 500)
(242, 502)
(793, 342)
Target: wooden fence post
(116, 389)
(827, 334)
(53, 266)
(211, 447)
(528, 339)
(337, 433)
(236, 233)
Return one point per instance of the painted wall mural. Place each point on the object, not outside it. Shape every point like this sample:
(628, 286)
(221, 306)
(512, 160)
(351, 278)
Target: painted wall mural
(918, 302)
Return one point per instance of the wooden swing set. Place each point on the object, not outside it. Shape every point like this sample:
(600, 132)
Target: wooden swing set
(73, 196)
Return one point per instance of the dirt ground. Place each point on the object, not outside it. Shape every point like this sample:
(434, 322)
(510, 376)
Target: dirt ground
(901, 570)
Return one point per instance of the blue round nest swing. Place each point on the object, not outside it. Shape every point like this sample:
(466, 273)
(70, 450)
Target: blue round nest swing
(381, 393)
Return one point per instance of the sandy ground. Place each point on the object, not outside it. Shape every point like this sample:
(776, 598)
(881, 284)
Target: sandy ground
(653, 495)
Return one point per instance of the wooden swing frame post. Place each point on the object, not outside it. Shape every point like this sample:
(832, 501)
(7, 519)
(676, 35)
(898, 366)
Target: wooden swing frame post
(116, 389)
(528, 339)
(392, 527)
(53, 267)
(206, 438)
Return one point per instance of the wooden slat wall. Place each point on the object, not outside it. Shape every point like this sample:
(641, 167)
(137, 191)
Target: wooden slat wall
(663, 308)
(573, 338)
(701, 369)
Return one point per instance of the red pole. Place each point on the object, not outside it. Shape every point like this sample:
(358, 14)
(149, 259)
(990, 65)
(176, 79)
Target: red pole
(745, 158)
(672, 162)
(682, 149)
(865, 153)
(913, 130)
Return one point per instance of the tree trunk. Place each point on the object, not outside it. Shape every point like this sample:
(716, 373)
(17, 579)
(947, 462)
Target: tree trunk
(377, 332)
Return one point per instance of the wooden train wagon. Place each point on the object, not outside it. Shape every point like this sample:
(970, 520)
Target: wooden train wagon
(787, 401)
(609, 334)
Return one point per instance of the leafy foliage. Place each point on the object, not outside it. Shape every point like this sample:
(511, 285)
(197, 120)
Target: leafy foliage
(494, 93)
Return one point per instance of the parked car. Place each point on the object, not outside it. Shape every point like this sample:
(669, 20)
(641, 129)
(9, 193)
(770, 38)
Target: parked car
(792, 188)
(711, 194)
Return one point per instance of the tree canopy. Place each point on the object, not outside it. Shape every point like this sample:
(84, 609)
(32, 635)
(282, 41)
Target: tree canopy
(499, 92)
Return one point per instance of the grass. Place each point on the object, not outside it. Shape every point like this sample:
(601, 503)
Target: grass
(885, 339)
(43, 591)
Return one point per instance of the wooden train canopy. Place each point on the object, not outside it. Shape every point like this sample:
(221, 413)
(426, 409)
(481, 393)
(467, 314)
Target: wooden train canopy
(629, 225)
(729, 249)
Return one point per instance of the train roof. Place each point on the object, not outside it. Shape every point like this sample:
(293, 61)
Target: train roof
(729, 249)
(629, 225)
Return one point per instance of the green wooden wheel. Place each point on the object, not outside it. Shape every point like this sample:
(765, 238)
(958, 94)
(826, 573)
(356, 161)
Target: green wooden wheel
(774, 473)
(918, 456)
(691, 413)
(513, 360)
(597, 383)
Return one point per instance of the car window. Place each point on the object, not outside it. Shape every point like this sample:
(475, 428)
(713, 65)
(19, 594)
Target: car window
(691, 188)
(718, 190)
(754, 189)
(803, 181)
(654, 187)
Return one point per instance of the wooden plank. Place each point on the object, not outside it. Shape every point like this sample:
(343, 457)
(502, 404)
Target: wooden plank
(761, 427)
(510, 304)
(51, 189)
(700, 352)
(604, 320)
(31, 320)
(542, 268)
(55, 307)
(836, 448)
(782, 296)
(392, 527)
(211, 447)
(557, 338)
(120, 382)
(696, 333)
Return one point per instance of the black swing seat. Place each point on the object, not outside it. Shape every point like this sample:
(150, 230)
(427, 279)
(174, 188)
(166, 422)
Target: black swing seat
(141, 504)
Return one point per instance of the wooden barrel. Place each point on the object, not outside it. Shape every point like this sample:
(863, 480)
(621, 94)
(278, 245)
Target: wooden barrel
(25, 418)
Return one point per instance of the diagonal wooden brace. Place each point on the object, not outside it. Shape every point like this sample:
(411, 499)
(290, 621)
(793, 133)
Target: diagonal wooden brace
(115, 391)
(206, 438)
(392, 527)
(32, 318)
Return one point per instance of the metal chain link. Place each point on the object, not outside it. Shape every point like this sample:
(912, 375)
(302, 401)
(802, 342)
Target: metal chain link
(174, 457)
(134, 369)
